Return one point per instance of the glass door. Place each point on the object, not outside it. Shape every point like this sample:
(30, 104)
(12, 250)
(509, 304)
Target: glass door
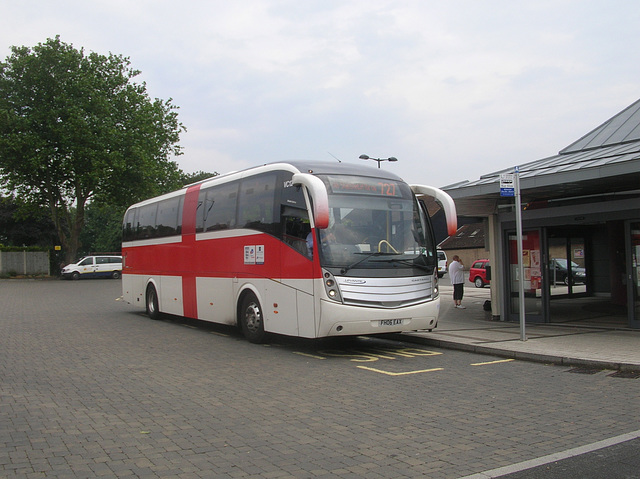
(567, 273)
(558, 284)
(633, 263)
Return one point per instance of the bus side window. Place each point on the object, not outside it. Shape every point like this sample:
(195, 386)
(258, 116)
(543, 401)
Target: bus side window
(220, 207)
(128, 230)
(180, 207)
(256, 203)
(296, 228)
(167, 217)
(147, 221)
(200, 210)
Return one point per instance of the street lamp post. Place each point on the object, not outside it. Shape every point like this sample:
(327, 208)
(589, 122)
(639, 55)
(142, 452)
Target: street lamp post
(367, 157)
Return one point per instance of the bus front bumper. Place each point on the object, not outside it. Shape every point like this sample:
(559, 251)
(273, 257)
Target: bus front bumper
(340, 320)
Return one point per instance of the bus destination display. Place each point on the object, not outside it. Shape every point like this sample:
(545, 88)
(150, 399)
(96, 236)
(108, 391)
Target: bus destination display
(364, 186)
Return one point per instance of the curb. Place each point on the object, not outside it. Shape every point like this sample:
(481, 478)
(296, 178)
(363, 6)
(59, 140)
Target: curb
(523, 356)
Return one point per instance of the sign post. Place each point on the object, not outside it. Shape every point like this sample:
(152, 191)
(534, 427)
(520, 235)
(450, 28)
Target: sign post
(523, 336)
(510, 187)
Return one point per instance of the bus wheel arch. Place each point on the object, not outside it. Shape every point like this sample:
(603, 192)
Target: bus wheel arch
(250, 317)
(152, 303)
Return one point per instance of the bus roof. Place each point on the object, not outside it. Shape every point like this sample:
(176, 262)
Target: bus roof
(295, 166)
(316, 168)
(333, 168)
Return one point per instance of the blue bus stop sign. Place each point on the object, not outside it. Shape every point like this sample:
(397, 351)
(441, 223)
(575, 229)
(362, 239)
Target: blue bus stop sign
(506, 185)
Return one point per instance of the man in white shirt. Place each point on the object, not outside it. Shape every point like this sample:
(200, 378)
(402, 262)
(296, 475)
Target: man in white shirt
(456, 273)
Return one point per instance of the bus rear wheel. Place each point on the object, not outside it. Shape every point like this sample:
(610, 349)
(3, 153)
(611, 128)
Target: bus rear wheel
(153, 310)
(251, 319)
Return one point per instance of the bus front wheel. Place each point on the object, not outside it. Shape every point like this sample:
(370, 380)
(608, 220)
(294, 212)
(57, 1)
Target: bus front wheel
(153, 310)
(251, 319)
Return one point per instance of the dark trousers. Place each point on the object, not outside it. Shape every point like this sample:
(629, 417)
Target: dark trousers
(458, 291)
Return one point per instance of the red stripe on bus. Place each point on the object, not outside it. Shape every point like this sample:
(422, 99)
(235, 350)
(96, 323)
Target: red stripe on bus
(189, 212)
(222, 257)
(189, 296)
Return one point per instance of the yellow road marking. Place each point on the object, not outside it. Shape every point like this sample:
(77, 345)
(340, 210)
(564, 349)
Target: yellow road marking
(309, 355)
(493, 362)
(219, 334)
(374, 354)
(389, 373)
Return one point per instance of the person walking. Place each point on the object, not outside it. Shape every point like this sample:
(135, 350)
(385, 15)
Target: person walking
(456, 273)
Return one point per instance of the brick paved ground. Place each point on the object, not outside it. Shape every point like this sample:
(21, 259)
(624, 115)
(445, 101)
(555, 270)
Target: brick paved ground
(89, 387)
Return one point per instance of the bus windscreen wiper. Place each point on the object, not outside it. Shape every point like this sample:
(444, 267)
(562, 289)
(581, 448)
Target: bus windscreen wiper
(362, 260)
(407, 263)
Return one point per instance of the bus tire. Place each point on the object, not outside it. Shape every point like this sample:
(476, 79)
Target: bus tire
(153, 309)
(251, 319)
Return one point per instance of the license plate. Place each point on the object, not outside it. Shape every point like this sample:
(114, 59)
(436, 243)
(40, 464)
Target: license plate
(390, 322)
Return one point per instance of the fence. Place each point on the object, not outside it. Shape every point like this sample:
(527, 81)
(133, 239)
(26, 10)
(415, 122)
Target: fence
(25, 262)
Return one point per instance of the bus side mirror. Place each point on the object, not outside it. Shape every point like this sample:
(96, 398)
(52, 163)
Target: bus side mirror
(445, 201)
(318, 192)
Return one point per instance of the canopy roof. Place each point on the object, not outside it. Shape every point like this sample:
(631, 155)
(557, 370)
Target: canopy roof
(605, 161)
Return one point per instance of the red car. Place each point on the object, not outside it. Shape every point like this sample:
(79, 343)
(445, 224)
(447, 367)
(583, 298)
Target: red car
(478, 273)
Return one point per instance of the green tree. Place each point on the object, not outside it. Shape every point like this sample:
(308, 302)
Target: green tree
(76, 128)
(20, 226)
(189, 178)
(103, 229)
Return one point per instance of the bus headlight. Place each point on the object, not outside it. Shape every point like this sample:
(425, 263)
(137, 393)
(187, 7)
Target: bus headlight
(436, 290)
(331, 286)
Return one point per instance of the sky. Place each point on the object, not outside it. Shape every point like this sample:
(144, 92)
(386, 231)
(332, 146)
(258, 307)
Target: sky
(453, 89)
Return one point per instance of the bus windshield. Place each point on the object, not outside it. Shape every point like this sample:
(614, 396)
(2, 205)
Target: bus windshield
(374, 225)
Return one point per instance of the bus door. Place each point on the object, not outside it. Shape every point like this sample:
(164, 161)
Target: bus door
(298, 267)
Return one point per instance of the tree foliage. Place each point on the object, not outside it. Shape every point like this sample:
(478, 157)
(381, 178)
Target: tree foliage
(76, 128)
(25, 227)
(103, 229)
(188, 178)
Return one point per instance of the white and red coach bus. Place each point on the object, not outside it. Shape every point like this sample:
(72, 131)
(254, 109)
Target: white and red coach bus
(298, 248)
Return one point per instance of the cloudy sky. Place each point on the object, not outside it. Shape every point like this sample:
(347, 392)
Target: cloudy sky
(453, 89)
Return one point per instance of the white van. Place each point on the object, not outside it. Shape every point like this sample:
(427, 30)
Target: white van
(94, 267)
(442, 263)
